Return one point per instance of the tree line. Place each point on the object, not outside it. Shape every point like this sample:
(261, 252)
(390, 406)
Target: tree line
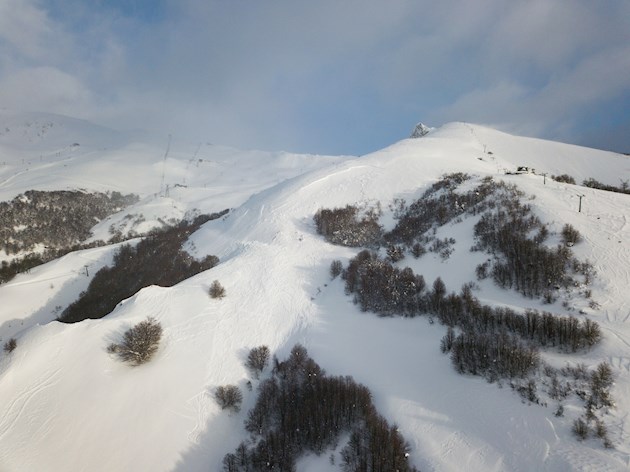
(158, 259)
(380, 287)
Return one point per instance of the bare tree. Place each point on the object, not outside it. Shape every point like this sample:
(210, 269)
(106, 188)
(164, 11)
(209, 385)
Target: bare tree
(139, 343)
(257, 359)
(229, 397)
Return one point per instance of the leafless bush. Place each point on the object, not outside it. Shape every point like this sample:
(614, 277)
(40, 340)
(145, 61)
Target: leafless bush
(139, 343)
(347, 227)
(565, 178)
(216, 290)
(580, 429)
(10, 345)
(229, 397)
(336, 267)
(257, 359)
(570, 235)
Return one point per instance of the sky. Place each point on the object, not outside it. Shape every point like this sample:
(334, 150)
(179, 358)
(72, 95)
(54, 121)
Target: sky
(326, 77)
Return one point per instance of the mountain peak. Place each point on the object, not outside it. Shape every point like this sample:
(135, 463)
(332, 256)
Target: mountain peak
(420, 130)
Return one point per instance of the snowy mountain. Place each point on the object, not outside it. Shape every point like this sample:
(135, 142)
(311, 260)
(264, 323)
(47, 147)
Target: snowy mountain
(68, 404)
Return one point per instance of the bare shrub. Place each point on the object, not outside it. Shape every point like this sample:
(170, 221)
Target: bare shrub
(10, 345)
(602, 379)
(139, 343)
(580, 429)
(216, 290)
(347, 227)
(570, 235)
(257, 359)
(418, 250)
(395, 253)
(564, 178)
(229, 397)
(336, 267)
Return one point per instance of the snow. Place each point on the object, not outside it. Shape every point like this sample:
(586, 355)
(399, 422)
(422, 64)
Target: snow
(61, 391)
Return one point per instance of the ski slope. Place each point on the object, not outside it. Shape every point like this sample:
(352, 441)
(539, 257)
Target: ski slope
(68, 405)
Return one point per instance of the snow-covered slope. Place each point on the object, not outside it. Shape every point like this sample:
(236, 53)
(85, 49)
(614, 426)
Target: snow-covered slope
(68, 405)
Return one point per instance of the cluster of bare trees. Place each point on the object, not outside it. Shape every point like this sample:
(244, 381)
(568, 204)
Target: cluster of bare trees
(301, 409)
(379, 287)
(56, 219)
(493, 342)
(592, 183)
(507, 229)
(156, 260)
(346, 227)
(522, 261)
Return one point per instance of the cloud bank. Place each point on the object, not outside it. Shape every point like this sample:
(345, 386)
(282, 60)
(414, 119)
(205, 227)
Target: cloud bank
(323, 77)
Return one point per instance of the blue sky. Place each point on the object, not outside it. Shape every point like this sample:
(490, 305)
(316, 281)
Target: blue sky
(336, 77)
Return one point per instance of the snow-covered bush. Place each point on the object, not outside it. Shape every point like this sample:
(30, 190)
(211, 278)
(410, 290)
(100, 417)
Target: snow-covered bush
(139, 343)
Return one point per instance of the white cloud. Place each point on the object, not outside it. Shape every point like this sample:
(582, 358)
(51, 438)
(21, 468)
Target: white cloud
(26, 28)
(44, 88)
(275, 74)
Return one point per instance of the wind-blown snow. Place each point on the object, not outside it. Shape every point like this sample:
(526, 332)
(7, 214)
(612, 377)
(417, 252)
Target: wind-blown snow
(68, 405)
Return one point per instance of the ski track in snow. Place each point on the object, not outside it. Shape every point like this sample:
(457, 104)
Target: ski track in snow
(16, 409)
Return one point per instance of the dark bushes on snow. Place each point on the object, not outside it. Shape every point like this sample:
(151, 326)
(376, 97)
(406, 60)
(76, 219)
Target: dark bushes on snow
(336, 267)
(300, 409)
(10, 345)
(344, 226)
(380, 287)
(56, 219)
(570, 235)
(580, 429)
(257, 360)
(156, 260)
(493, 342)
(507, 229)
(521, 261)
(229, 397)
(493, 355)
(564, 178)
(592, 183)
(216, 290)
